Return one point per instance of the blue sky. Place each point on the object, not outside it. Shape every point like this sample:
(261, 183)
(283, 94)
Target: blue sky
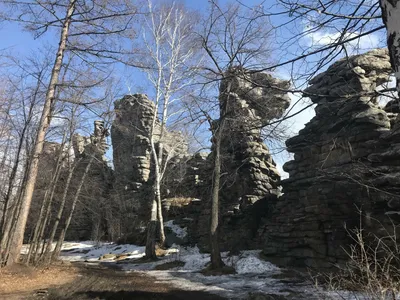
(16, 41)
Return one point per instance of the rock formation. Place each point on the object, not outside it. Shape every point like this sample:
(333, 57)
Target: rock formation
(253, 100)
(187, 178)
(345, 161)
(131, 144)
(250, 180)
(131, 132)
(334, 171)
(95, 144)
(96, 215)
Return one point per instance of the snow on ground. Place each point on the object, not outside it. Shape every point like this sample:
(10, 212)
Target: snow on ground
(193, 259)
(235, 286)
(179, 231)
(80, 245)
(97, 251)
(249, 263)
(65, 246)
(252, 273)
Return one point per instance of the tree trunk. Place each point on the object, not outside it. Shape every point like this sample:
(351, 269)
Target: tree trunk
(12, 177)
(161, 165)
(11, 183)
(4, 130)
(160, 217)
(216, 261)
(38, 238)
(38, 226)
(152, 232)
(44, 123)
(217, 129)
(96, 223)
(153, 223)
(44, 221)
(9, 222)
(391, 19)
(7, 239)
(157, 194)
(47, 255)
(13, 216)
(3, 181)
(61, 238)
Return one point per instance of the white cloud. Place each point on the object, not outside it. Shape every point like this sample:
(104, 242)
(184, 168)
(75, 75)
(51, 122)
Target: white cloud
(323, 38)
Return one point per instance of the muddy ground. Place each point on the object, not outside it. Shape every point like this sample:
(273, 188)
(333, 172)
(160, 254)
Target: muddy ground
(79, 281)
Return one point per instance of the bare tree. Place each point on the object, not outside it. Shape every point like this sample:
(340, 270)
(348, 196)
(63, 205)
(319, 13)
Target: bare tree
(88, 20)
(231, 38)
(71, 166)
(45, 210)
(170, 48)
(72, 209)
(316, 33)
(18, 235)
(18, 157)
(94, 151)
(24, 96)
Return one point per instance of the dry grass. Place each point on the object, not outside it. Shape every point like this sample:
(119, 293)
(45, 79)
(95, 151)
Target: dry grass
(373, 268)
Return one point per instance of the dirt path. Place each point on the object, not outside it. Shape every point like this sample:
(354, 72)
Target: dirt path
(84, 282)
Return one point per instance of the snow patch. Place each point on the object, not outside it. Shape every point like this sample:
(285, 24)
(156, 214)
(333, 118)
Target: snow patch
(87, 252)
(193, 259)
(253, 274)
(179, 231)
(80, 245)
(253, 265)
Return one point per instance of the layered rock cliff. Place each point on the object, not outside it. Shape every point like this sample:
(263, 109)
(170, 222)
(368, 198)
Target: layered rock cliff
(338, 169)
(130, 133)
(250, 181)
(252, 100)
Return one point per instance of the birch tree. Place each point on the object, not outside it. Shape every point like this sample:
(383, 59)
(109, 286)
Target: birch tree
(168, 64)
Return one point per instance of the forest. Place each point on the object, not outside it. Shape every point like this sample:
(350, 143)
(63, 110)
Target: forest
(237, 137)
